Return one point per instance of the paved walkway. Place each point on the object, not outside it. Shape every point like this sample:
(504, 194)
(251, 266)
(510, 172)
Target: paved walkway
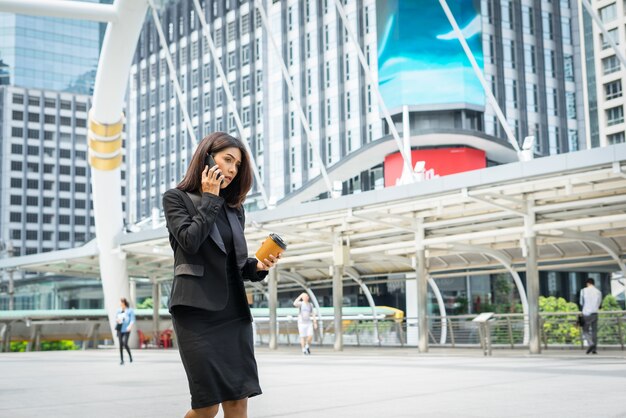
(354, 383)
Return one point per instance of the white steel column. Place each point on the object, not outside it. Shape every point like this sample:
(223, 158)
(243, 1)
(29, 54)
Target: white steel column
(272, 289)
(340, 258)
(421, 278)
(116, 57)
(532, 281)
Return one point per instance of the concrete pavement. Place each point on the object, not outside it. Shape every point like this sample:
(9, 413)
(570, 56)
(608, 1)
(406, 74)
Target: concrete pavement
(355, 383)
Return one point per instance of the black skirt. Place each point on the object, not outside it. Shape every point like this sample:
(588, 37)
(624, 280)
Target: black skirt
(218, 356)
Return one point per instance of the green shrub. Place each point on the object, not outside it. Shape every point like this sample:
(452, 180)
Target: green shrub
(609, 324)
(20, 346)
(559, 329)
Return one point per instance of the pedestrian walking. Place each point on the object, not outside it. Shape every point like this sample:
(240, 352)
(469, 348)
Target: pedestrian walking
(306, 321)
(125, 318)
(590, 300)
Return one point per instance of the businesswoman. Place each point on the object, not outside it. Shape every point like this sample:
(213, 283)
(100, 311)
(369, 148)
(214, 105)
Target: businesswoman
(210, 313)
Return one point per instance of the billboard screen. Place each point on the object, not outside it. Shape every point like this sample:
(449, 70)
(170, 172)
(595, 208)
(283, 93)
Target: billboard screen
(438, 162)
(420, 59)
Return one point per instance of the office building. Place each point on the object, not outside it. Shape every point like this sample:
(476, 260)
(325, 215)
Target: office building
(605, 75)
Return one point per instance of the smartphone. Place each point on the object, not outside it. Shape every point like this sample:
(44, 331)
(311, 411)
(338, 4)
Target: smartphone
(210, 161)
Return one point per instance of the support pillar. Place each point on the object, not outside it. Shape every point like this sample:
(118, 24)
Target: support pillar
(532, 282)
(156, 300)
(341, 255)
(272, 289)
(421, 276)
(133, 294)
(337, 305)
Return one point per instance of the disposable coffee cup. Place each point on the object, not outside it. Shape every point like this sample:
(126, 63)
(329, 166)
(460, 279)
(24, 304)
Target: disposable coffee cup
(273, 245)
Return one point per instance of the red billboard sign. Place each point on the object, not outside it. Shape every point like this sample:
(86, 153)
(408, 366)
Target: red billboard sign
(436, 162)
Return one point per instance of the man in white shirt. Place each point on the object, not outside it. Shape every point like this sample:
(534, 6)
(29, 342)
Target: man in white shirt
(306, 321)
(590, 300)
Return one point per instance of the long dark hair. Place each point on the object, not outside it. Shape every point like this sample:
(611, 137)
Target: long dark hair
(125, 302)
(236, 192)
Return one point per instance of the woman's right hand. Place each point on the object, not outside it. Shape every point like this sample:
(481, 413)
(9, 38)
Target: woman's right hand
(211, 180)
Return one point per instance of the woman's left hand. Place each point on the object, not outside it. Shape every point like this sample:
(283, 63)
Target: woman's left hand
(266, 264)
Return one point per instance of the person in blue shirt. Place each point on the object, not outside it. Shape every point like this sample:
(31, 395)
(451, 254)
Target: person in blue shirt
(125, 321)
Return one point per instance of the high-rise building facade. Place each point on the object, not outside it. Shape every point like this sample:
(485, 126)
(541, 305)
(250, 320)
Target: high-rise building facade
(604, 73)
(529, 52)
(49, 53)
(45, 193)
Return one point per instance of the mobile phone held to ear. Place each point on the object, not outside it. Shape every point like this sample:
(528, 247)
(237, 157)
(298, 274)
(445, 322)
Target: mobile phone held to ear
(210, 161)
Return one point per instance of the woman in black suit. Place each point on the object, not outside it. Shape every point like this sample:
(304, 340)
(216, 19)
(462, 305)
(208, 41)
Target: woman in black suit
(210, 313)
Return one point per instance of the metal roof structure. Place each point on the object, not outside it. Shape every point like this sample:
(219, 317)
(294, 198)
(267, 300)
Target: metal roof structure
(473, 222)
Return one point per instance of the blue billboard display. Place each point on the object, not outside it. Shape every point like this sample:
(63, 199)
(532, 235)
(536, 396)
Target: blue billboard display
(420, 59)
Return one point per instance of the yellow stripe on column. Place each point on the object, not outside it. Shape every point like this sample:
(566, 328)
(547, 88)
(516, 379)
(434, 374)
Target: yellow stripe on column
(105, 147)
(105, 164)
(106, 130)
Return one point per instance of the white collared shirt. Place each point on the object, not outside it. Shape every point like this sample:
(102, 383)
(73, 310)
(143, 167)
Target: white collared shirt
(590, 299)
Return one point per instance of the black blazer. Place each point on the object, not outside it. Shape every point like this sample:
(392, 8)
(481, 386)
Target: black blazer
(199, 254)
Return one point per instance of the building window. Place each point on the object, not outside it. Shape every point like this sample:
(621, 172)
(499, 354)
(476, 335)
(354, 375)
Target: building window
(326, 38)
(529, 58)
(231, 33)
(259, 112)
(613, 89)
(328, 112)
(259, 80)
(245, 115)
(245, 54)
(293, 159)
(290, 18)
(327, 74)
(245, 23)
(329, 150)
(308, 45)
(531, 93)
(610, 65)
(615, 115)
(528, 23)
(614, 34)
(608, 13)
(617, 138)
(548, 32)
(570, 101)
(245, 85)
